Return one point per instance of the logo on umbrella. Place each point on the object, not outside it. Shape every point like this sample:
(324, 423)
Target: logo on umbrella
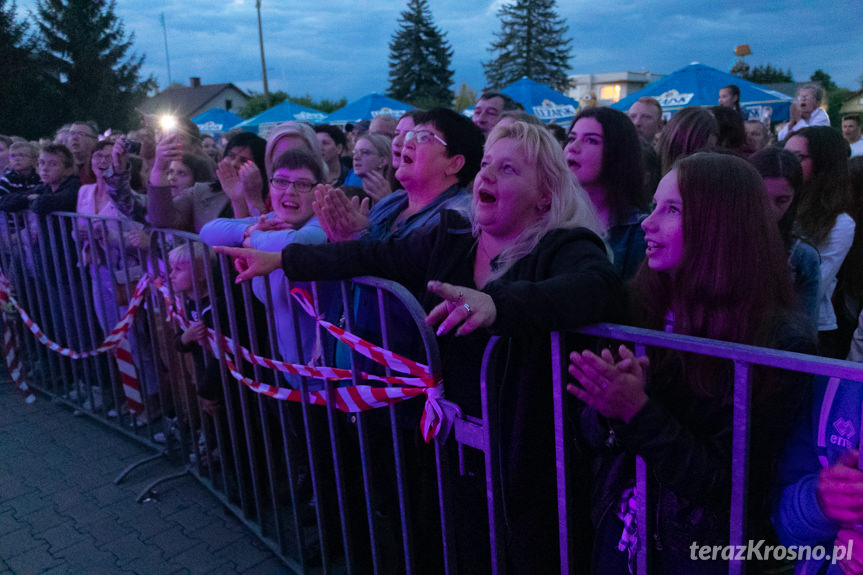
(673, 98)
(387, 112)
(548, 110)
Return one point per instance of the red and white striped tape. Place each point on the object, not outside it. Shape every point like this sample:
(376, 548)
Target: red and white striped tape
(116, 342)
(13, 360)
(353, 398)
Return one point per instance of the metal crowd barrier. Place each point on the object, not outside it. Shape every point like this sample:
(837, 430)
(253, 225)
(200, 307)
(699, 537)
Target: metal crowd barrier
(483, 434)
(56, 265)
(744, 357)
(327, 491)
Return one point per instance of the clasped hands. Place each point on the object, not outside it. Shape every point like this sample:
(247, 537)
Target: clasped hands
(243, 186)
(341, 217)
(612, 386)
(266, 223)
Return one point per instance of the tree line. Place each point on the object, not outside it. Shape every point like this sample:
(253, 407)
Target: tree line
(531, 42)
(75, 62)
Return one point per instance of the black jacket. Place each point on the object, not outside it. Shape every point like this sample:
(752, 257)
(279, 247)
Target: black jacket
(566, 282)
(686, 442)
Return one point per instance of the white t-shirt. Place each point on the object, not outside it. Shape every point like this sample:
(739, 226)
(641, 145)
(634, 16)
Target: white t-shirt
(832, 250)
(817, 118)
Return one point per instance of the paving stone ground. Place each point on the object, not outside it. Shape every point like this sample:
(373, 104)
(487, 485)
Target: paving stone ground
(62, 514)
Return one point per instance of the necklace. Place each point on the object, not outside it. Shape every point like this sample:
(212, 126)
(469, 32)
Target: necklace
(493, 262)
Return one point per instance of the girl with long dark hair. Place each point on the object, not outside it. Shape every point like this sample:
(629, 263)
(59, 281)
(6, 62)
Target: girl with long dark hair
(603, 152)
(823, 218)
(715, 268)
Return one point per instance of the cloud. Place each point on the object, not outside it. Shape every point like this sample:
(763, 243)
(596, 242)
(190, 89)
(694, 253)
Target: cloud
(337, 48)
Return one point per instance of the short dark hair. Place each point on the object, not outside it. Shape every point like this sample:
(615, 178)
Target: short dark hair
(59, 150)
(89, 123)
(508, 103)
(732, 130)
(102, 144)
(258, 147)
(297, 159)
(852, 117)
(333, 132)
(202, 168)
(651, 102)
(255, 143)
(412, 114)
(462, 136)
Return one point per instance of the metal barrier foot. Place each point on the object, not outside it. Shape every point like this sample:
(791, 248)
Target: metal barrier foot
(132, 466)
(148, 494)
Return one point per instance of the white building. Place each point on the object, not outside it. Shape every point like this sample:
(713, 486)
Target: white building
(606, 89)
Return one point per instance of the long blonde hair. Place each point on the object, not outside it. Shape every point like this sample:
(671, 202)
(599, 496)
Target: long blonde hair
(570, 206)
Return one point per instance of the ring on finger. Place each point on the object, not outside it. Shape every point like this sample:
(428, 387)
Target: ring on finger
(467, 308)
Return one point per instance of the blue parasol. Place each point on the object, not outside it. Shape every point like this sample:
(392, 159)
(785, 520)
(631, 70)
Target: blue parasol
(698, 85)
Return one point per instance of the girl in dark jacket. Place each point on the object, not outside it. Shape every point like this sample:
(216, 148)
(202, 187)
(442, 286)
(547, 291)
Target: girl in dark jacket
(715, 268)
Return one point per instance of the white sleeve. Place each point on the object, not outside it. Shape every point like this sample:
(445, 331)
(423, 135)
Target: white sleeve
(819, 118)
(834, 249)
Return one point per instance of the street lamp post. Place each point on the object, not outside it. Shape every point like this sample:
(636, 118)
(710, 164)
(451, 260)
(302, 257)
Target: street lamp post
(263, 61)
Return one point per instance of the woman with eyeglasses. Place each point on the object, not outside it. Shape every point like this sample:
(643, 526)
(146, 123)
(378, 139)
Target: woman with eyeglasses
(524, 259)
(438, 159)
(295, 175)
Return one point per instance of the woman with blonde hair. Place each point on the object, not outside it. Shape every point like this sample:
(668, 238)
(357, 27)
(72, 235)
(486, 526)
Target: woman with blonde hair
(373, 165)
(533, 264)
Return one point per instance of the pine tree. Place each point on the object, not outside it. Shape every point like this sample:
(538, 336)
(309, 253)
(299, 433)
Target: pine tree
(420, 58)
(25, 99)
(531, 43)
(88, 54)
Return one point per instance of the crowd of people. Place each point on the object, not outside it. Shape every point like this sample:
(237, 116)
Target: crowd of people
(705, 225)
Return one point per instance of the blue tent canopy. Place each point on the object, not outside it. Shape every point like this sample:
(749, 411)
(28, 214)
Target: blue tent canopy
(539, 100)
(367, 108)
(698, 85)
(287, 111)
(216, 121)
